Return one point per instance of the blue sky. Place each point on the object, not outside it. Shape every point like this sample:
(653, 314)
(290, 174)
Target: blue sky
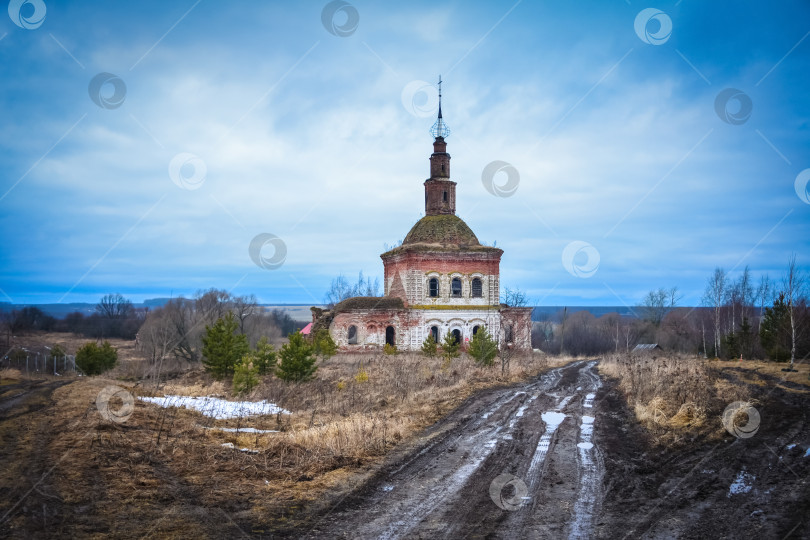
(277, 123)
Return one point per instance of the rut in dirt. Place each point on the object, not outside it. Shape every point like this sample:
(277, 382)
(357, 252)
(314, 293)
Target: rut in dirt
(517, 462)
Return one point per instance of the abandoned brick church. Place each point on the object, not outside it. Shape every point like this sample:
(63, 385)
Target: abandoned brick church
(440, 280)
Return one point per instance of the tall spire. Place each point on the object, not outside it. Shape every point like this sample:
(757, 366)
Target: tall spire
(440, 191)
(440, 129)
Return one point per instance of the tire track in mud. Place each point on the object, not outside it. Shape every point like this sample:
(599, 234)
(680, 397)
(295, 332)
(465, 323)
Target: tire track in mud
(539, 433)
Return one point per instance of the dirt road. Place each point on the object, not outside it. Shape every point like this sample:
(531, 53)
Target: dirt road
(515, 463)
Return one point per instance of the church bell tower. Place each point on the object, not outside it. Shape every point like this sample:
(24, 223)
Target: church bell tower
(440, 191)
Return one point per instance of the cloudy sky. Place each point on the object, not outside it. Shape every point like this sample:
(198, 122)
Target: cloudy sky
(145, 146)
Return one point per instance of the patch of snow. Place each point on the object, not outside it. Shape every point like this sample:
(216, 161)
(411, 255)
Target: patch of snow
(552, 419)
(388, 487)
(791, 446)
(807, 453)
(585, 445)
(240, 429)
(245, 450)
(218, 408)
(742, 484)
(589, 400)
(588, 419)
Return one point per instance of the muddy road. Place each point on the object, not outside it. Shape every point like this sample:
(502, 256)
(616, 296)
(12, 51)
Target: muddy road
(514, 463)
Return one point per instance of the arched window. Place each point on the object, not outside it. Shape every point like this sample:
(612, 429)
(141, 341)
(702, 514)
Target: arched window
(352, 335)
(434, 331)
(476, 328)
(477, 288)
(390, 336)
(508, 333)
(433, 286)
(455, 287)
(444, 196)
(456, 335)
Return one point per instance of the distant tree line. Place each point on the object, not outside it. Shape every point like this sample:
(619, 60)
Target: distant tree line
(114, 317)
(175, 327)
(764, 319)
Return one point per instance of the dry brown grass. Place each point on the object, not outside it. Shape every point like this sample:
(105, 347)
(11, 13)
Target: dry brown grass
(340, 424)
(358, 407)
(673, 397)
(761, 373)
(10, 374)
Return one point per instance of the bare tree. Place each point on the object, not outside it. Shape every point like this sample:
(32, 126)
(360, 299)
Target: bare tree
(764, 294)
(244, 307)
(158, 339)
(793, 285)
(114, 306)
(340, 289)
(211, 305)
(514, 297)
(714, 297)
(181, 316)
(746, 293)
(658, 303)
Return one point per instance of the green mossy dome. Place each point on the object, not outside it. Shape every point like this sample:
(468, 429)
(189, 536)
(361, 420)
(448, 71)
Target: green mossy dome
(445, 229)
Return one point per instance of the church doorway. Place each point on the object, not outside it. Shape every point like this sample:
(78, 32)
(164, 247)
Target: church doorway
(390, 336)
(456, 335)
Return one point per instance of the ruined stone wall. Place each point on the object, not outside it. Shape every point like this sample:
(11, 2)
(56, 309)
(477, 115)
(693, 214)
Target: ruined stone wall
(520, 321)
(371, 325)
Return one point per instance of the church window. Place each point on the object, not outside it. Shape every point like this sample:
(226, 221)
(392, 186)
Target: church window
(456, 335)
(477, 289)
(433, 286)
(390, 336)
(476, 328)
(352, 335)
(444, 196)
(455, 287)
(434, 331)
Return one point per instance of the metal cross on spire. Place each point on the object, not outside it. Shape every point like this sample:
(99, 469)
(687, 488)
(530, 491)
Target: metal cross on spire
(440, 129)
